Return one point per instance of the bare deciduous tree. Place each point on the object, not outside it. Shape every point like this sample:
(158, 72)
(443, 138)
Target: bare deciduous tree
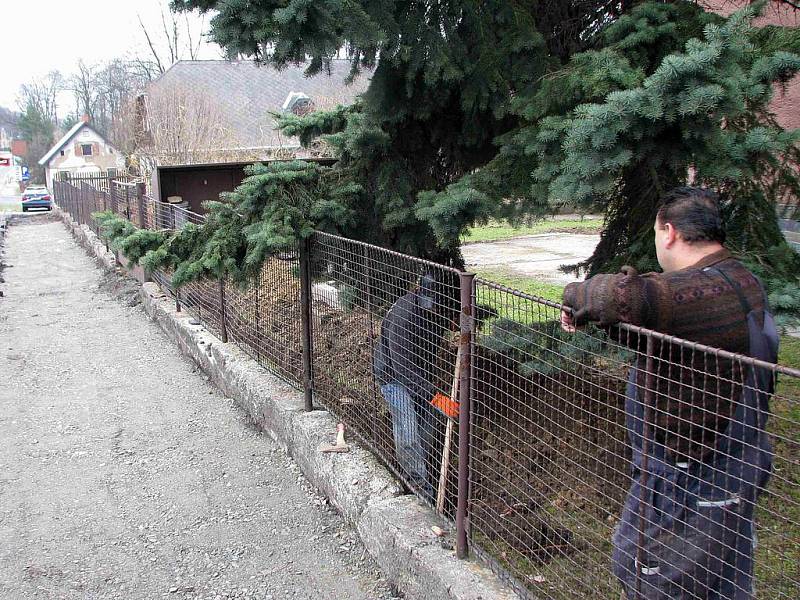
(42, 94)
(84, 85)
(168, 46)
(175, 125)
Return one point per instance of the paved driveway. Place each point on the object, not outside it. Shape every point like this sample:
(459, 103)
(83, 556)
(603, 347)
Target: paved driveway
(537, 256)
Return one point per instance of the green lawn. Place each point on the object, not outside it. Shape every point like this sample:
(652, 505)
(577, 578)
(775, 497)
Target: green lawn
(790, 354)
(529, 285)
(499, 231)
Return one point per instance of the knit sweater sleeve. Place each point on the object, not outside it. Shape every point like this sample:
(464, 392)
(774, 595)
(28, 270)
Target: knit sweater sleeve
(625, 297)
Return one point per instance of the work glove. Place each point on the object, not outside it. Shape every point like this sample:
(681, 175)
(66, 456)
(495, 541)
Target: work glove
(445, 405)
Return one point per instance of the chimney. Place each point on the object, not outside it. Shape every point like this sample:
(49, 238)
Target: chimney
(19, 147)
(85, 118)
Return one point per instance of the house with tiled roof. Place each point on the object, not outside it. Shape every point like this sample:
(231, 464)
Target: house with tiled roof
(202, 121)
(81, 151)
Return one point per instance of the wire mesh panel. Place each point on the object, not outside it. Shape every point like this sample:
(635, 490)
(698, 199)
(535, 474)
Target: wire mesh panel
(549, 460)
(136, 206)
(263, 317)
(384, 350)
(164, 280)
(124, 199)
(163, 215)
(552, 446)
(203, 300)
(182, 216)
(147, 212)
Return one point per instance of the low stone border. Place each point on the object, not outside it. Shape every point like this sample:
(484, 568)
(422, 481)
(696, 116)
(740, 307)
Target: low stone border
(396, 528)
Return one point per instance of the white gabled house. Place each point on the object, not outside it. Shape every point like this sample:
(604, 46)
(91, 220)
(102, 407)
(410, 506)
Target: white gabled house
(82, 151)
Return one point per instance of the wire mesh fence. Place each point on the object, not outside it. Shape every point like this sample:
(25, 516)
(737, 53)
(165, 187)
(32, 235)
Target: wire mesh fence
(384, 348)
(559, 418)
(263, 317)
(549, 457)
(571, 462)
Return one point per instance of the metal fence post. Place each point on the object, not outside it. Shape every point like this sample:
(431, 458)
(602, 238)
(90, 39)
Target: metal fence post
(223, 325)
(177, 299)
(106, 203)
(646, 435)
(112, 196)
(305, 316)
(466, 326)
(140, 189)
(84, 203)
(258, 317)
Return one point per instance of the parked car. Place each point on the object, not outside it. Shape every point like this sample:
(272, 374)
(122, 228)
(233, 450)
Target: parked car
(36, 196)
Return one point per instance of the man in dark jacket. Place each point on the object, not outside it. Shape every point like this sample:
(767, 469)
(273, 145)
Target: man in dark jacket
(699, 450)
(404, 365)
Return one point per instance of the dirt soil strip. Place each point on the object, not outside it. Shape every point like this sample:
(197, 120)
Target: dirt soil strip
(124, 474)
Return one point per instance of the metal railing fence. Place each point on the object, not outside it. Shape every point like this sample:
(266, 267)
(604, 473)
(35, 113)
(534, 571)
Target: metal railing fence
(528, 444)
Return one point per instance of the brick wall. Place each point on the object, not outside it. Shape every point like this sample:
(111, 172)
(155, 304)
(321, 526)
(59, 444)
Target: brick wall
(786, 103)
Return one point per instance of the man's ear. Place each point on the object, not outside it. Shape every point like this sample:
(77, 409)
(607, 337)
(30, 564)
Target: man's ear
(672, 235)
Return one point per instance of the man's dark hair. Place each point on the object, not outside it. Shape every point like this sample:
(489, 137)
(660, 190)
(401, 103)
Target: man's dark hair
(694, 212)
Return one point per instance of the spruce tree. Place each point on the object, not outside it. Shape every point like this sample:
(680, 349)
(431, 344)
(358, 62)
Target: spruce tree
(444, 75)
(509, 109)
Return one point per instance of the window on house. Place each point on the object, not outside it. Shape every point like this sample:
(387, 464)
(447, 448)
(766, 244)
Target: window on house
(86, 149)
(62, 153)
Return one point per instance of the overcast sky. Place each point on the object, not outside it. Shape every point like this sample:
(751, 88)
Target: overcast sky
(38, 36)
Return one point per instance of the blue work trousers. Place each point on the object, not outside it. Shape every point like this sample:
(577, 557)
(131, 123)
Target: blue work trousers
(413, 426)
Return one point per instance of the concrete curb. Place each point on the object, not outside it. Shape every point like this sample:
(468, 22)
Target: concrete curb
(395, 528)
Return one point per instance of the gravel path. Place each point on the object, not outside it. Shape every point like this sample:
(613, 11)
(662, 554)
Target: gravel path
(124, 474)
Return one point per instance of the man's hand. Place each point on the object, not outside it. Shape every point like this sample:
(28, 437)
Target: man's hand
(567, 321)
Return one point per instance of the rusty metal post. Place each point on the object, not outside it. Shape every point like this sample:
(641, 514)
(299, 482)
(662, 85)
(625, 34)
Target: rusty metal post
(259, 338)
(466, 326)
(177, 299)
(223, 325)
(106, 203)
(87, 214)
(140, 190)
(112, 196)
(81, 191)
(646, 435)
(305, 317)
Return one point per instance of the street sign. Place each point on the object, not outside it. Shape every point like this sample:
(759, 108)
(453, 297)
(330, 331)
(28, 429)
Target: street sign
(5, 161)
(26, 174)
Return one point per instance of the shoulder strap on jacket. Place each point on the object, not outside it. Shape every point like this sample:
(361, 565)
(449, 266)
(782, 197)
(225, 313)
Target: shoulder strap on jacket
(742, 300)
